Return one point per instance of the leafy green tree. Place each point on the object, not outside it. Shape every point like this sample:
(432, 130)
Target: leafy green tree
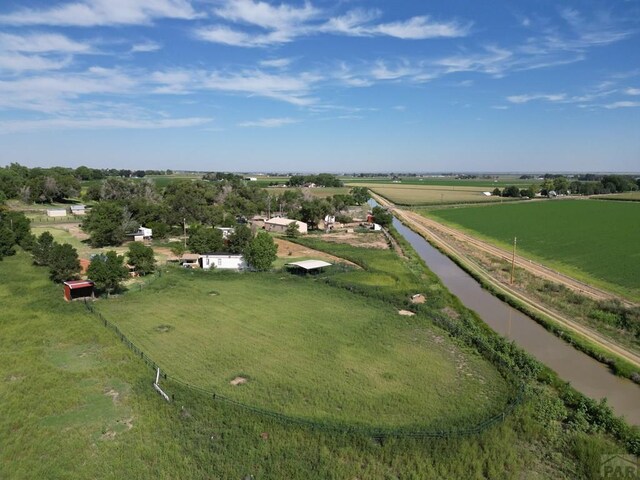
(496, 192)
(261, 252)
(292, 230)
(204, 240)
(240, 238)
(177, 248)
(108, 271)
(42, 249)
(313, 211)
(107, 223)
(381, 216)
(7, 241)
(63, 263)
(360, 195)
(20, 225)
(511, 191)
(141, 257)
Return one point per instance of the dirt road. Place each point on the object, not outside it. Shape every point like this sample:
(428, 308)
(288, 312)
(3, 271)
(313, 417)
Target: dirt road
(434, 234)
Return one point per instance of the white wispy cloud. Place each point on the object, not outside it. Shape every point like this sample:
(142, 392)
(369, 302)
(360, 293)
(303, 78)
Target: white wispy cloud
(276, 62)
(284, 23)
(143, 47)
(90, 13)
(622, 104)
(550, 97)
(38, 51)
(268, 122)
(632, 91)
(14, 126)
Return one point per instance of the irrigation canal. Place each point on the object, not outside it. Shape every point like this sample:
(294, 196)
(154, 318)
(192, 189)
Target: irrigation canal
(585, 374)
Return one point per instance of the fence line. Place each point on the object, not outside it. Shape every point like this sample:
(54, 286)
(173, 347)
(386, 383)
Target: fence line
(314, 425)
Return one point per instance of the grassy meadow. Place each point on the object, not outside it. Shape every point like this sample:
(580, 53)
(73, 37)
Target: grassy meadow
(307, 349)
(414, 195)
(76, 403)
(593, 241)
(622, 197)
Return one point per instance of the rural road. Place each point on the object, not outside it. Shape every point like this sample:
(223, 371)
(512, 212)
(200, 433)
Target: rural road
(432, 231)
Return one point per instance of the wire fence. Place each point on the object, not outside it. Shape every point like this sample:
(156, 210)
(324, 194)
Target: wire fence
(325, 426)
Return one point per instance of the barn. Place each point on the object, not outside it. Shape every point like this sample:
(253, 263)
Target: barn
(75, 289)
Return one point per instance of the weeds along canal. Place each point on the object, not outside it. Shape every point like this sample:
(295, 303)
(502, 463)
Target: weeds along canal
(585, 374)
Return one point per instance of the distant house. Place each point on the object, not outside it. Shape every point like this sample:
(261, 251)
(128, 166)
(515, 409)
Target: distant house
(77, 209)
(279, 225)
(226, 232)
(258, 221)
(142, 234)
(222, 260)
(75, 289)
(56, 212)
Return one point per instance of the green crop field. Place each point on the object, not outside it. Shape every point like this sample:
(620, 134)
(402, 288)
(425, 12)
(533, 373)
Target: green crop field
(622, 197)
(592, 240)
(433, 194)
(307, 349)
(500, 182)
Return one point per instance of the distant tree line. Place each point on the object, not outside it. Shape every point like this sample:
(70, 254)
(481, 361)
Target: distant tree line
(320, 180)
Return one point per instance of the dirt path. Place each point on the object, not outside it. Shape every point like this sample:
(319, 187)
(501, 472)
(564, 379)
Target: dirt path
(434, 235)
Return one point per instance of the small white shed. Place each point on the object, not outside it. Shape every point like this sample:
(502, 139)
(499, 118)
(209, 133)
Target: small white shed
(56, 212)
(222, 260)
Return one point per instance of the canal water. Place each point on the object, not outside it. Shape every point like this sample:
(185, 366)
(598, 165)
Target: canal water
(583, 372)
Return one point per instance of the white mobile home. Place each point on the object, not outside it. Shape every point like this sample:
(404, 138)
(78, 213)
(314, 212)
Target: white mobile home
(56, 212)
(77, 209)
(223, 261)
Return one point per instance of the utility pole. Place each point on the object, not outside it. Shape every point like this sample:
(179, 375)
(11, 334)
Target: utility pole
(513, 259)
(184, 232)
(269, 208)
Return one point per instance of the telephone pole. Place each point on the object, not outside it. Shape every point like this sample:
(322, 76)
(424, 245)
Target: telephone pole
(513, 259)
(184, 232)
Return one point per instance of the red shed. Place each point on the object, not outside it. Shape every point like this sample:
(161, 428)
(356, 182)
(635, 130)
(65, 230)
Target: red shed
(74, 289)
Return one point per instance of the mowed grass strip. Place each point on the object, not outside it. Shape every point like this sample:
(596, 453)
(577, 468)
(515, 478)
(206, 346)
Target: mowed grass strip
(433, 194)
(597, 242)
(307, 349)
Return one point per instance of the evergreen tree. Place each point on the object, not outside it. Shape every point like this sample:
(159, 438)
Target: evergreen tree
(141, 257)
(108, 271)
(63, 263)
(42, 249)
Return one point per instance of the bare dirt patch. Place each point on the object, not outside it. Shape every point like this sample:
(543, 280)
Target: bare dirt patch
(288, 249)
(238, 381)
(114, 394)
(364, 240)
(406, 313)
(418, 298)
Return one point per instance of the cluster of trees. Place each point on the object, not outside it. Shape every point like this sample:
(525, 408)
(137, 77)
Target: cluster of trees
(515, 192)
(56, 184)
(321, 180)
(15, 230)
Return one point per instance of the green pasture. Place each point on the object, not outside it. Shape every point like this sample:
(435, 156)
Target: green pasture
(415, 195)
(307, 349)
(596, 242)
(76, 403)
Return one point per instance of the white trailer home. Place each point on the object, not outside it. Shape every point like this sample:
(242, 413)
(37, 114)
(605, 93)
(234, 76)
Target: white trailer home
(222, 260)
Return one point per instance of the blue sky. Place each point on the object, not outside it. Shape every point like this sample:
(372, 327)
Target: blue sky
(340, 86)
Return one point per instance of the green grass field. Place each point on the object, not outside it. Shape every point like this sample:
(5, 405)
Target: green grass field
(415, 195)
(594, 241)
(76, 403)
(307, 349)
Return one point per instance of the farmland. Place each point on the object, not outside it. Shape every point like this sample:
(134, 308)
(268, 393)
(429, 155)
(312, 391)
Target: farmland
(77, 404)
(622, 197)
(482, 183)
(306, 349)
(593, 241)
(432, 195)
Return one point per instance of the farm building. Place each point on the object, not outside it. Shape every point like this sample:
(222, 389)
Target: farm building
(142, 234)
(226, 232)
(258, 221)
(77, 209)
(222, 260)
(56, 212)
(75, 289)
(279, 225)
(308, 266)
(190, 260)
